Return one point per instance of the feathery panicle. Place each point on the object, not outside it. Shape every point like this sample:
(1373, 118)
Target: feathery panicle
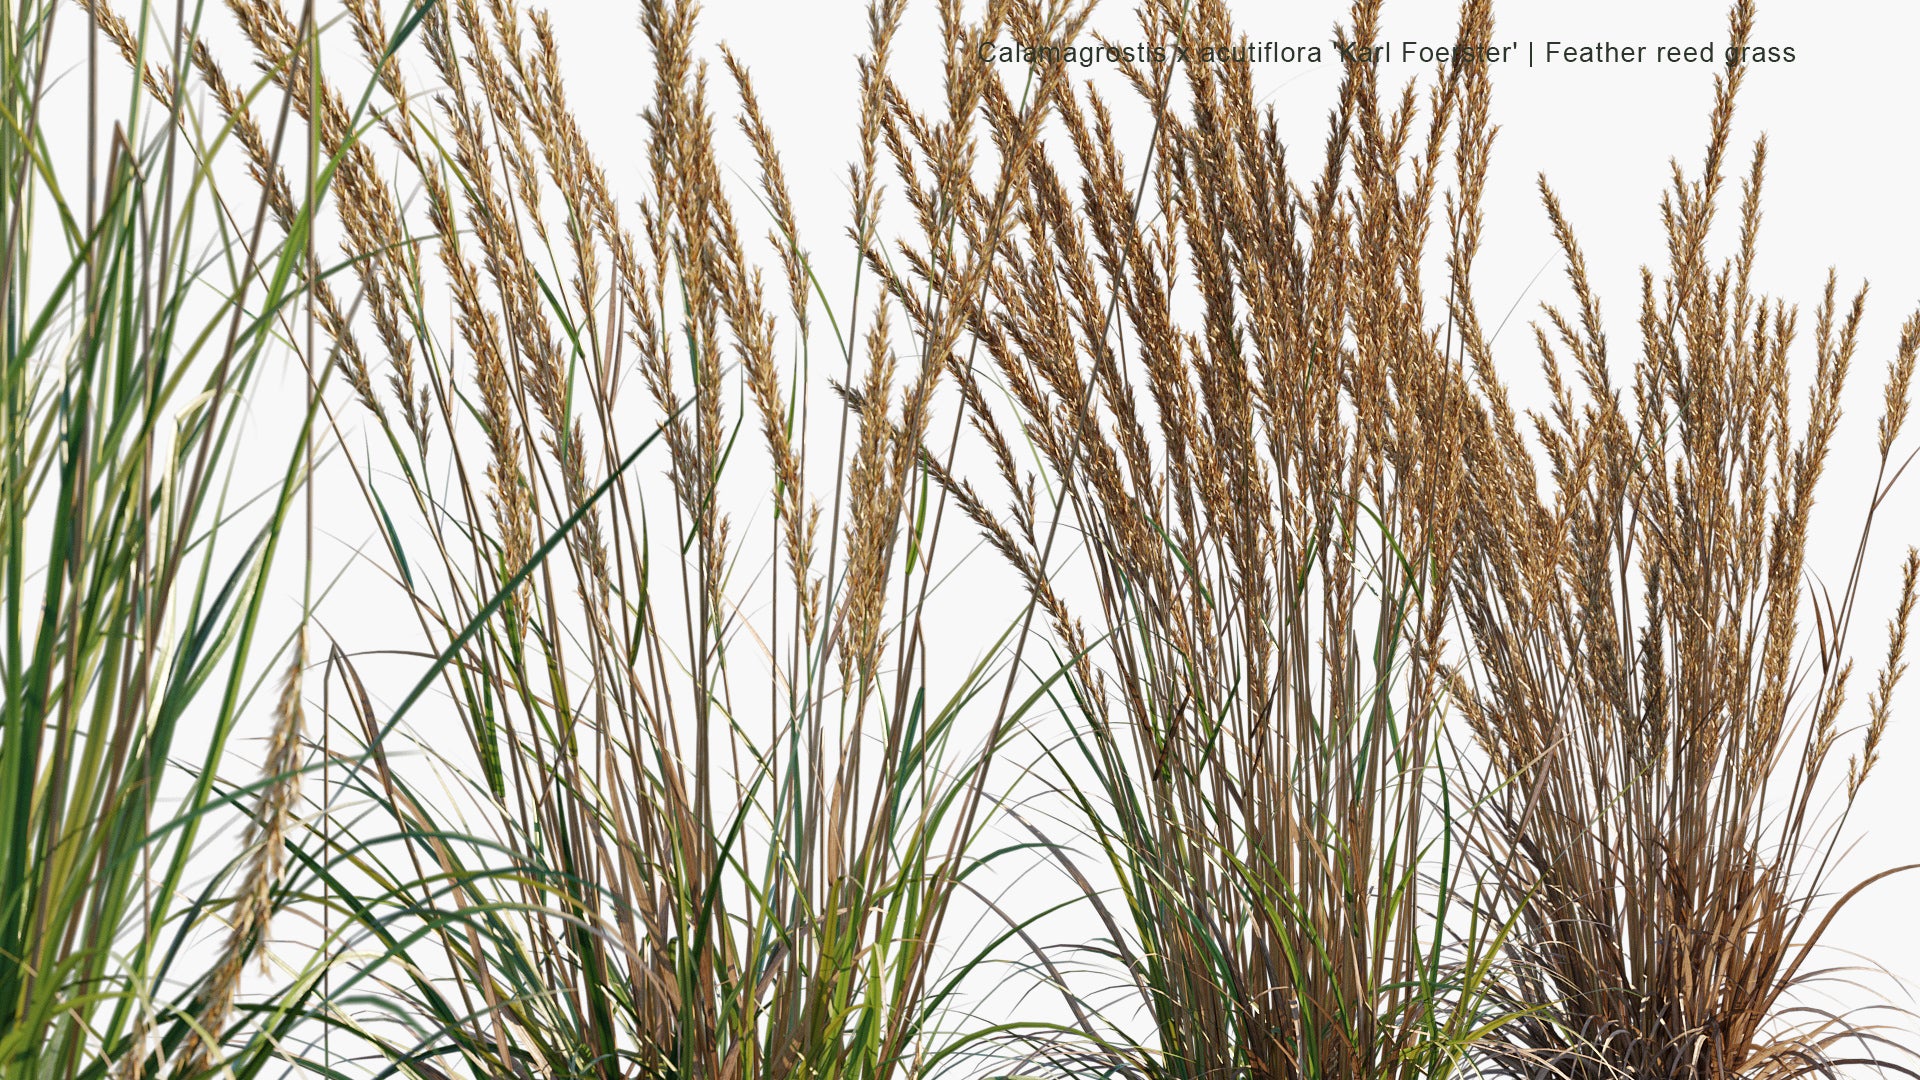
(266, 841)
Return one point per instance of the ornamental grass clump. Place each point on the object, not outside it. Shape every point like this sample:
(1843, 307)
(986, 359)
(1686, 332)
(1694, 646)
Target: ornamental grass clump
(710, 814)
(1233, 384)
(1660, 667)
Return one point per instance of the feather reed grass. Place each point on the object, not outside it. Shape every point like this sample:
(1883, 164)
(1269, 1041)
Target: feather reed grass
(716, 804)
(711, 818)
(1659, 667)
(1233, 379)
